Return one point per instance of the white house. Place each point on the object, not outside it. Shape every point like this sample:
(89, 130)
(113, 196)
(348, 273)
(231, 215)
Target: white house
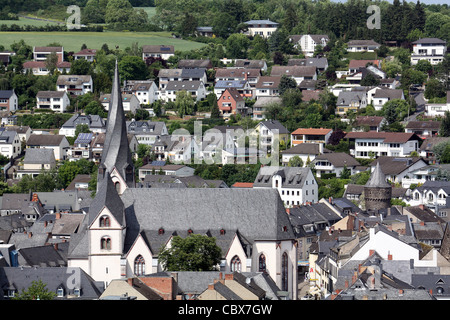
(308, 43)
(394, 144)
(57, 101)
(57, 143)
(95, 123)
(8, 100)
(86, 54)
(75, 84)
(264, 28)
(305, 151)
(267, 86)
(431, 49)
(432, 194)
(195, 88)
(191, 74)
(10, 144)
(362, 46)
(39, 68)
(298, 73)
(41, 53)
(130, 102)
(145, 91)
(382, 96)
(154, 51)
(295, 185)
(334, 162)
(35, 161)
(310, 135)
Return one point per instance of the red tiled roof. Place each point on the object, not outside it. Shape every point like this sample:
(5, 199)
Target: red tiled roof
(311, 131)
(242, 185)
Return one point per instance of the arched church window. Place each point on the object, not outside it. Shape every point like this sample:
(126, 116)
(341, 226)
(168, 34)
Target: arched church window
(105, 243)
(235, 264)
(262, 263)
(139, 266)
(105, 221)
(284, 272)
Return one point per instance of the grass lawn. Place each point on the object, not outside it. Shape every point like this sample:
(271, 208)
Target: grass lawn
(25, 22)
(72, 41)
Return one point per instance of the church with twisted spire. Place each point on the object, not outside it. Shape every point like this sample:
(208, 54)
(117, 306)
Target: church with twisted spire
(126, 227)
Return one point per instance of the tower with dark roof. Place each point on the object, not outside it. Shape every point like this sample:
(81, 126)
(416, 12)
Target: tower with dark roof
(116, 156)
(377, 192)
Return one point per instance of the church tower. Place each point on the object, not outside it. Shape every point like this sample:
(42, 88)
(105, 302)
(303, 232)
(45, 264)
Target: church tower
(116, 156)
(377, 192)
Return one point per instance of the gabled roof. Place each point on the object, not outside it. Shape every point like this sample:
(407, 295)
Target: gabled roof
(39, 156)
(396, 165)
(429, 40)
(183, 85)
(312, 131)
(194, 63)
(368, 120)
(433, 125)
(51, 94)
(388, 93)
(355, 64)
(292, 177)
(268, 82)
(158, 49)
(237, 72)
(304, 148)
(295, 71)
(73, 79)
(233, 93)
(231, 84)
(6, 94)
(387, 137)
(251, 64)
(338, 159)
(274, 125)
(45, 139)
(48, 49)
(42, 256)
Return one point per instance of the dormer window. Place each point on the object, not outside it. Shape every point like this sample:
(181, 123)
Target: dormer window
(60, 292)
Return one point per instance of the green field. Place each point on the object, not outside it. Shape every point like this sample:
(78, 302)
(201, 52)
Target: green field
(72, 41)
(25, 22)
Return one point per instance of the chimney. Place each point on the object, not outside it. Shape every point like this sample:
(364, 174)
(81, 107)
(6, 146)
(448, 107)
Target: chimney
(288, 210)
(400, 292)
(55, 245)
(371, 252)
(211, 286)
(421, 206)
(58, 215)
(330, 200)
(389, 256)
(346, 284)
(45, 223)
(30, 234)
(422, 223)
(229, 276)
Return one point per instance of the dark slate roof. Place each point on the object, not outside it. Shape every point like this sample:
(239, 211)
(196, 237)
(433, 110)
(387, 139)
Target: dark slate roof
(338, 159)
(42, 256)
(39, 156)
(6, 94)
(45, 139)
(292, 177)
(257, 214)
(108, 197)
(432, 282)
(395, 165)
(275, 125)
(21, 279)
(304, 148)
(435, 125)
(116, 150)
(430, 40)
(93, 121)
(377, 179)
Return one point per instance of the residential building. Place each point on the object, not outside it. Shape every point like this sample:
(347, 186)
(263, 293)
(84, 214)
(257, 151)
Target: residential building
(39, 68)
(305, 151)
(146, 91)
(75, 84)
(368, 123)
(146, 131)
(321, 63)
(267, 86)
(163, 52)
(396, 169)
(231, 102)
(334, 163)
(394, 144)
(57, 101)
(298, 73)
(86, 54)
(80, 182)
(362, 46)
(264, 28)
(242, 155)
(432, 194)
(196, 89)
(161, 168)
(95, 123)
(10, 143)
(130, 102)
(271, 132)
(355, 65)
(238, 74)
(423, 129)
(195, 64)
(81, 148)
(57, 143)
(382, 96)
(423, 174)
(431, 49)
(251, 64)
(308, 43)
(242, 86)
(35, 161)
(204, 32)
(42, 53)
(167, 75)
(350, 101)
(426, 148)
(259, 107)
(8, 101)
(23, 132)
(311, 135)
(296, 186)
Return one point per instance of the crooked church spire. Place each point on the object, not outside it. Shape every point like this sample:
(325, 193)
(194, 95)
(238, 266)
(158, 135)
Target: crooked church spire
(116, 156)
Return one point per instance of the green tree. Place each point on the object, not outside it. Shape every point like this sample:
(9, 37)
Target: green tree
(118, 11)
(37, 291)
(295, 161)
(184, 103)
(444, 130)
(434, 89)
(215, 111)
(81, 67)
(81, 128)
(237, 45)
(194, 253)
(132, 68)
(286, 83)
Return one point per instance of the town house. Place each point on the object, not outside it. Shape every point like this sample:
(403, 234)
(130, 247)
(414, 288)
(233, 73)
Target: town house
(430, 49)
(146, 91)
(264, 28)
(231, 102)
(8, 100)
(154, 51)
(57, 101)
(298, 73)
(74, 84)
(311, 135)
